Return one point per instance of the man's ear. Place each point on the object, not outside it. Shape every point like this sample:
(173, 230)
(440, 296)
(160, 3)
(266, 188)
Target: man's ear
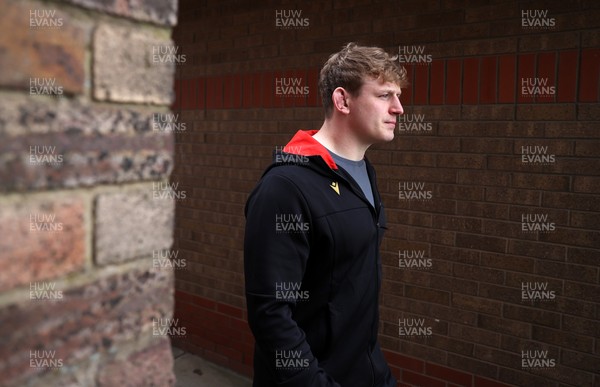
(340, 100)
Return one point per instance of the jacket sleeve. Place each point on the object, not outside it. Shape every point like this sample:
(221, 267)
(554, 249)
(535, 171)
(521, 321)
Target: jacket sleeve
(276, 250)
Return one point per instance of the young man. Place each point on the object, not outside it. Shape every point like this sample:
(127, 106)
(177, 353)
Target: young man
(314, 224)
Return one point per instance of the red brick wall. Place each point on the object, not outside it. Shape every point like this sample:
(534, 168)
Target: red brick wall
(467, 123)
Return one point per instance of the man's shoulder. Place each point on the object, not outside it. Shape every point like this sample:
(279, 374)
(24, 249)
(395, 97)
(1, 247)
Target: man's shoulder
(280, 184)
(290, 171)
(289, 177)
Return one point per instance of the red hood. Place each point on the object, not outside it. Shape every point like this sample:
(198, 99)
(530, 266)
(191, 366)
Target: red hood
(305, 145)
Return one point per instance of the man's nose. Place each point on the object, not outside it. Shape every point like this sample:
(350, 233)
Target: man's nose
(396, 107)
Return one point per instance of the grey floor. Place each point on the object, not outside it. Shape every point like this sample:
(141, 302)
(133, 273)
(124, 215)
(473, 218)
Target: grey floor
(193, 371)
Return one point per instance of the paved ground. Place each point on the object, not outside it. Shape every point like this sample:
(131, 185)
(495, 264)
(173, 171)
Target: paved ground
(193, 371)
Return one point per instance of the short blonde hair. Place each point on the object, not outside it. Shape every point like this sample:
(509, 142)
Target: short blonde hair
(349, 67)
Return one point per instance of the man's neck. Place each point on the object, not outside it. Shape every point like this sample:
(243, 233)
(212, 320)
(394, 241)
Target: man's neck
(341, 142)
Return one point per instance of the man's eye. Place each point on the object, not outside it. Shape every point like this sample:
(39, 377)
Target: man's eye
(386, 95)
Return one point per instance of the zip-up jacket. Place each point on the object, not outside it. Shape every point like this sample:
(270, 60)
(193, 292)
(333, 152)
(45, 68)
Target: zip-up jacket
(313, 273)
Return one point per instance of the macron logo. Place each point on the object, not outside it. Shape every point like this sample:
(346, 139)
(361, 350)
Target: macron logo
(334, 186)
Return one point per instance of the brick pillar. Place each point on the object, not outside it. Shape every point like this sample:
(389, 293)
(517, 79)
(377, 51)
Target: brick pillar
(85, 205)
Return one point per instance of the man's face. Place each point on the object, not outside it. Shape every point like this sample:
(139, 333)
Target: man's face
(373, 112)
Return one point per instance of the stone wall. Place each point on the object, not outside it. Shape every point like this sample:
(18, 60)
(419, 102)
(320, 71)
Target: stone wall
(85, 208)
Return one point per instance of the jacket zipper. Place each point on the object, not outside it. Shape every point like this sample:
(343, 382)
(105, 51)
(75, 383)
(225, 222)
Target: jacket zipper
(375, 212)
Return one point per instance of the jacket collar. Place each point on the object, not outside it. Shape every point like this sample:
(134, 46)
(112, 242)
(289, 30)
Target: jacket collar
(305, 145)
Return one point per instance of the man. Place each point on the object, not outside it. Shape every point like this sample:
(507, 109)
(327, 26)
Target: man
(314, 225)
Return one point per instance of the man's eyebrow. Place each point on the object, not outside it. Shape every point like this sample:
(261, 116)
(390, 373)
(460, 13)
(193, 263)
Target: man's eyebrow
(391, 91)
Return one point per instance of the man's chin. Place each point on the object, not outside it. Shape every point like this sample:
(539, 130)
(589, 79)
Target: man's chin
(383, 140)
(389, 137)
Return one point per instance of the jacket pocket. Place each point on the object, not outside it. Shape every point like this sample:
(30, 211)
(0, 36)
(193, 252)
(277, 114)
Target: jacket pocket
(318, 334)
(333, 317)
(381, 371)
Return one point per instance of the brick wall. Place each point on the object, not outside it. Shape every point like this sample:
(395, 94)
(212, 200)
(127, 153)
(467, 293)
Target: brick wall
(82, 215)
(491, 185)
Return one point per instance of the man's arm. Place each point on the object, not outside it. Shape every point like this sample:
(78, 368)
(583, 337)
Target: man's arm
(276, 250)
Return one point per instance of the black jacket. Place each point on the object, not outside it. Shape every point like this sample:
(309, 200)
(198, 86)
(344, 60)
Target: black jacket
(313, 273)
